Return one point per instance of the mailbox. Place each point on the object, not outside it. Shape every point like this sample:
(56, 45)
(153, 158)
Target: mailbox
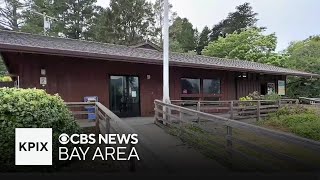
(91, 109)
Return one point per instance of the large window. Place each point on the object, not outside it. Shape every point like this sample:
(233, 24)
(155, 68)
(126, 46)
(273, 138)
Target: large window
(211, 86)
(190, 86)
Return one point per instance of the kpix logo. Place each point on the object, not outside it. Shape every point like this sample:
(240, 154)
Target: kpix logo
(33, 146)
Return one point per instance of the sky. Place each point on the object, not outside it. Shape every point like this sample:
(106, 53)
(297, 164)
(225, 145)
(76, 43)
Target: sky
(291, 20)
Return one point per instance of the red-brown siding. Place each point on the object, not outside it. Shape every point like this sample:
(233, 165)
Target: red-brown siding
(74, 78)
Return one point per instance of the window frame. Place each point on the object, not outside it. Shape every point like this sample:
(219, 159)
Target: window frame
(201, 95)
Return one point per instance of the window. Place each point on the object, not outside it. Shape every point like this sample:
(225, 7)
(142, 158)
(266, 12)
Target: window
(190, 86)
(211, 86)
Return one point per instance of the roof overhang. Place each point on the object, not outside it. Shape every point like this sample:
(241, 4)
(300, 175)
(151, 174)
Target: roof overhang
(92, 55)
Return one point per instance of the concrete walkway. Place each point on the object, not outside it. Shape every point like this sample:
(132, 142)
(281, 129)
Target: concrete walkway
(169, 152)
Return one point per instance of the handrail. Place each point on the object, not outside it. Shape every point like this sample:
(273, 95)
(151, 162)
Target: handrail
(238, 124)
(174, 115)
(108, 122)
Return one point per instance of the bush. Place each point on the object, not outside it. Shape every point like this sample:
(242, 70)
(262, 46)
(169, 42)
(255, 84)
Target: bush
(272, 97)
(31, 108)
(299, 120)
(5, 79)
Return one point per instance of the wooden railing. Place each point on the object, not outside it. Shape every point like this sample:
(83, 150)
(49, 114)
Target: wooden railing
(106, 122)
(238, 144)
(237, 109)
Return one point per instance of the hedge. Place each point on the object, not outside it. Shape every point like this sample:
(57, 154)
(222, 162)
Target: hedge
(31, 108)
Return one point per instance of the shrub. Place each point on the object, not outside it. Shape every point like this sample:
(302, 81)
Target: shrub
(31, 108)
(299, 120)
(272, 97)
(5, 79)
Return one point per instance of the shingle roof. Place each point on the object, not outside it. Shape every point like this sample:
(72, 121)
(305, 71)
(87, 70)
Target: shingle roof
(16, 41)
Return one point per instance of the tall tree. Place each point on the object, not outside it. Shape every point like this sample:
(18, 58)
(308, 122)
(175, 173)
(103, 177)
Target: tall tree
(250, 44)
(33, 21)
(78, 18)
(126, 22)
(183, 33)
(243, 17)
(10, 14)
(158, 12)
(203, 39)
(305, 56)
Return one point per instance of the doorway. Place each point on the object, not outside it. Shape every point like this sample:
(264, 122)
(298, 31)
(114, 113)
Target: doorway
(125, 96)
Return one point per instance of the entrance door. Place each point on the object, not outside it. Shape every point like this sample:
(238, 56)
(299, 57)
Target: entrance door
(125, 96)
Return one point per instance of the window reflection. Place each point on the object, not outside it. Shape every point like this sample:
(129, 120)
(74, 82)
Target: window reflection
(211, 86)
(190, 86)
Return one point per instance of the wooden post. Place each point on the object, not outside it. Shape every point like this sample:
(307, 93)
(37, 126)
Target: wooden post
(198, 109)
(229, 144)
(156, 112)
(231, 110)
(108, 126)
(97, 120)
(258, 110)
(279, 103)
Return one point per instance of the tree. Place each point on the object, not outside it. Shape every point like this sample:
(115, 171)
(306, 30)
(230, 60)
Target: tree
(33, 22)
(78, 18)
(203, 39)
(182, 32)
(10, 15)
(304, 56)
(126, 22)
(3, 69)
(158, 12)
(243, 17)
(250, 44)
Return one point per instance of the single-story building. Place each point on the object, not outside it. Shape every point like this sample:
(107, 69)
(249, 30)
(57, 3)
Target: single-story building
(127, 79)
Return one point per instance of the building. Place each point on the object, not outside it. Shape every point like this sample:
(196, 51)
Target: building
(128, 79)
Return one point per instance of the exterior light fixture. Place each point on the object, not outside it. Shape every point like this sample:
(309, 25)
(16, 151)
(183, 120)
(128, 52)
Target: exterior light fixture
(43, 71)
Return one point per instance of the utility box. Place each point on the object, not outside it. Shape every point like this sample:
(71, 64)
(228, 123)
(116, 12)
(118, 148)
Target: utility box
(91, 109)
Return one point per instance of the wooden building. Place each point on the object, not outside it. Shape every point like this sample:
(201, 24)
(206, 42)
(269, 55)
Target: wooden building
(129, 79)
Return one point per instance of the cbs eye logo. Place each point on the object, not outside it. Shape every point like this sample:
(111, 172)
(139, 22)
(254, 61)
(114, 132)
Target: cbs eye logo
(64, 138)
(77, 139)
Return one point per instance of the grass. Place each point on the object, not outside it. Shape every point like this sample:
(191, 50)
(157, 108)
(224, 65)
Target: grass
(299, 120)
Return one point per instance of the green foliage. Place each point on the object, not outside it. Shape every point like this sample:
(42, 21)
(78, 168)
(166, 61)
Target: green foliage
(249, 44)
(182, 33)
(5, 79)
(242, 18)
(3, 69)
(31, 108)
(203, 40)
(125, 22)
(299, 120)
(272, 97)
(10, 14)
(304, 56)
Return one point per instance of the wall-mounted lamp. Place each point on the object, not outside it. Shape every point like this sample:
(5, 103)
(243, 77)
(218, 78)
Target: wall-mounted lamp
(148, 76)
(43, 71)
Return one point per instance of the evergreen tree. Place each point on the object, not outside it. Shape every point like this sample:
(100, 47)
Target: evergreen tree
(33, 21)
(243, 17)
(126, 22)
(10, 15)
(182, 34)
(78, 18)
(203, 39)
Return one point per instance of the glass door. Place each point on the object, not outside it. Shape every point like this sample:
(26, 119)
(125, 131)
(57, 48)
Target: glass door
(125, 96)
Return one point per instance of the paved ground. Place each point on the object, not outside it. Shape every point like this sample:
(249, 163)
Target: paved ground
(169, 151)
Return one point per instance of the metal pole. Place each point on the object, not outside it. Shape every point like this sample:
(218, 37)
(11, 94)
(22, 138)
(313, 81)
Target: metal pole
(44, 24)
(166, 97)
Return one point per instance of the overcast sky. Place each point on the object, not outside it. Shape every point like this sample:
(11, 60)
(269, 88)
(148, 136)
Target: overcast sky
(290, 19)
